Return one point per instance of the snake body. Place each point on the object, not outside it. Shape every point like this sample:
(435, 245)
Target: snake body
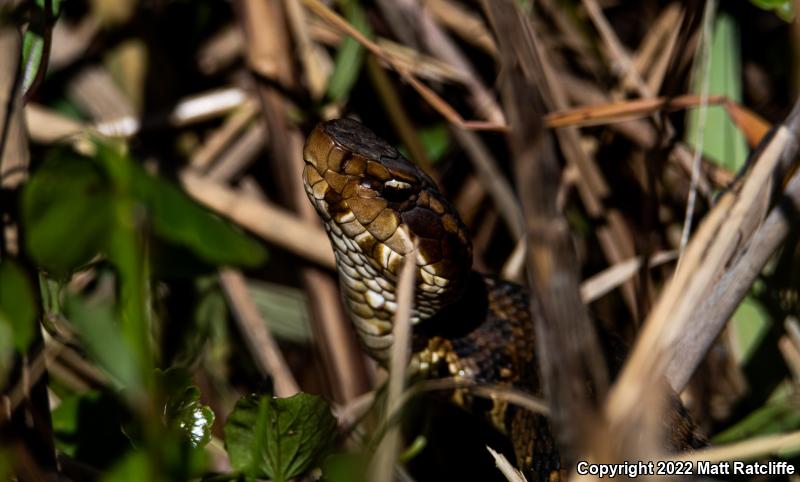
(379, 209)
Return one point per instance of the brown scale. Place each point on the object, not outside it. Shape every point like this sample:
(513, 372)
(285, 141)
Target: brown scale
(469, 326)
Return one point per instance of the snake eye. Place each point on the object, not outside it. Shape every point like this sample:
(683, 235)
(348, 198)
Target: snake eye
(397, 185)
(396, 191)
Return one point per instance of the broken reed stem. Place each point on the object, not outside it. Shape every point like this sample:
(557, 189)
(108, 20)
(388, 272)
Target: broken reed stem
(509, 472)
(717, 308)
(262, 346)
(707, 253)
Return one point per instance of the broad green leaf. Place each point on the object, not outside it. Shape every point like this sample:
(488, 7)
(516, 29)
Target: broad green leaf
(180, 220)
(350, 55)
(721, 140)
(75, 207)
(102, 334)
(278, 438)
(176, 218)
(182, 409)
(783, 8)
(66, 212)
(17, 304)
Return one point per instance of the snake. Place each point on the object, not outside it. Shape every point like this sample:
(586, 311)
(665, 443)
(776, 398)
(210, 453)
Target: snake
(380, 211)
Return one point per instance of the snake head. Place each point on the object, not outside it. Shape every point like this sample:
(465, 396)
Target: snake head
(379, 209)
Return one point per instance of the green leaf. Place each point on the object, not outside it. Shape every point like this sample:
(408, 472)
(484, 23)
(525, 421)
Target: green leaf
(75, 207)
(722, 141)
(750, 323)
(781, 414)
(135, 466)
(350, 55)
(33, 40)
(284, 309)
(278, 438)
(66, 212)
(17, 304)
(180, 220)
(176, 218)
(435, 140)
(87, 428)
(101, 332)
(183, 410)
(6, 465)
(164, 459)
(6, 351)
(783, 8)
(345, 468)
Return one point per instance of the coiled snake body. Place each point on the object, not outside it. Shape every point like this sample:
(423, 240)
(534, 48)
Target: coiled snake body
(379, 209)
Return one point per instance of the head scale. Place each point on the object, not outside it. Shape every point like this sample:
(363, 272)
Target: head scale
(380, 209)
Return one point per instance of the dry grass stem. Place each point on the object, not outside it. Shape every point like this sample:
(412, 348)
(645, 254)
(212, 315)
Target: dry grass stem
(615, 238)
(624, 111)
(622, 62)
(386, 453)
(256, 335)
(508, 470)
(35, 368)
(710, 248)
(421, 65)
(315, 61)
(494, 181)
(603, 282)
(14, 155)
(48, 126)
(220, 50)
(272, 223)
(447, 111)
(655, 52)
(349, 413)
(219, 139)
(566, 347)
(95, 90)
(719, 304)
(266, 39)
(469, 26)
(416, 25)
(751, 449)
(239, 155)
(207, 105)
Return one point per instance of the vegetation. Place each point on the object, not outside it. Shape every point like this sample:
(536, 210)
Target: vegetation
(168, 303)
